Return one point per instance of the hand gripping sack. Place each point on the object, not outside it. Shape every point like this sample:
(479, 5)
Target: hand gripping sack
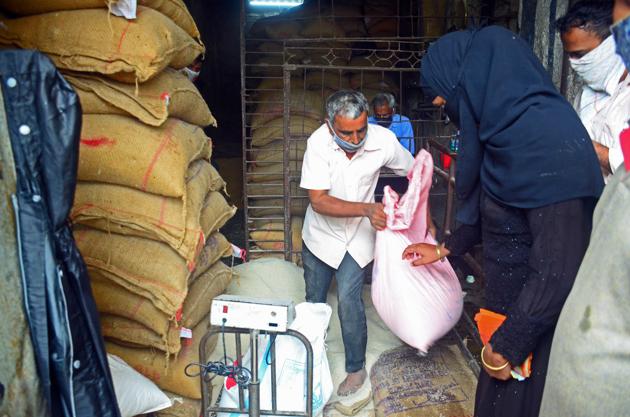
(311, 319)
(418, 304)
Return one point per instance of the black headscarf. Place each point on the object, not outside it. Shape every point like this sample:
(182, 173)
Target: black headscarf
(522, 142)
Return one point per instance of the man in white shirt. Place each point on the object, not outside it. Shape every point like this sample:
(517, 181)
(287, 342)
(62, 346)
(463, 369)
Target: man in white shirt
(608, 125)
(586, 39)
(340, 169)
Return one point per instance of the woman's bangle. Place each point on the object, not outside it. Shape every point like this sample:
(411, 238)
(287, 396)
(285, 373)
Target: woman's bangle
(492, 368)
(438, 250)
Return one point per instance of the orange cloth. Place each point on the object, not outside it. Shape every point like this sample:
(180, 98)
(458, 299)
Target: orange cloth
(487, 323)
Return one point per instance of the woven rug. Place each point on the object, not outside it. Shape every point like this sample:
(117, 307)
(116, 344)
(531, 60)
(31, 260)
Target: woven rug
(440, 384)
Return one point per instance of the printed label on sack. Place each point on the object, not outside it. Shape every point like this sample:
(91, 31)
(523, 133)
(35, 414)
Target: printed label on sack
(185, 333)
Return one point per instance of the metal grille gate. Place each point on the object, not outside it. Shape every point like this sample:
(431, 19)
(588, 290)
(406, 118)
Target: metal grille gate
(286, 79)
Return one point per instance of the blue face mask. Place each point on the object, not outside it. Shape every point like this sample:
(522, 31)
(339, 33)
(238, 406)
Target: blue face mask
(621, 33)
(346, 146)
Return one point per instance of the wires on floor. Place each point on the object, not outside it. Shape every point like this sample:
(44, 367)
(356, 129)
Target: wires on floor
(240, 374)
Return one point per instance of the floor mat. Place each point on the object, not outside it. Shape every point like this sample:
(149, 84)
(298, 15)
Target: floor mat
(439, 384)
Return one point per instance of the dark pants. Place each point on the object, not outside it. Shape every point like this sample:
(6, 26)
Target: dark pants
(318, 276)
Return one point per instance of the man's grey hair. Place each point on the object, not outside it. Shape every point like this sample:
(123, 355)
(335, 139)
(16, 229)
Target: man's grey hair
(346, 103)
(384, 98)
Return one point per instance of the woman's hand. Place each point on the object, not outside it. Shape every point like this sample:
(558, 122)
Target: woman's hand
(495, 360)
(424, 253)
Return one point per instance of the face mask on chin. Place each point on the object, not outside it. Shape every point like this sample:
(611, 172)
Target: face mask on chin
(621, 33)
(599, 67)
(346, 146)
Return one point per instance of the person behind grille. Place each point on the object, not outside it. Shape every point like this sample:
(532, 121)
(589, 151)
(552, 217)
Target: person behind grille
(384, 114)
(341, 166)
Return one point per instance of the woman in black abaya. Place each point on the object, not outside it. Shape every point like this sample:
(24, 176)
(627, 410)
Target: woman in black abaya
(527, 181)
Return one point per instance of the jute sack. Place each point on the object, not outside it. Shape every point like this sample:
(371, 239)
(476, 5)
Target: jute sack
(169, 94)
(322, 28)
(142, 266)
(270, 236)
(318, 79)
(268, 65)
(269, 46)
(91, 40)
(274, 129)
(303, 103)
(174, 9)
(168, 375)
(131, 333)
(215, 213)
(112, 298)
(273, 151)
(217, 247)
(280, 27)
(274, 84)
(373, 81)
(182, 407)
(274, 190)
(202, 291)
(183, 225)
(120, 150)
(29, 7)
(260, 207)
(387, 27)
(273, 171)
(177, 11)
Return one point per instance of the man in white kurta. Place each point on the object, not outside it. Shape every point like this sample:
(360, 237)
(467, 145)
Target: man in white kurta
(608, 125)
(340, 169)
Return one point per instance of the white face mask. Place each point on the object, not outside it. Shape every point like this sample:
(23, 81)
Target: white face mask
(601, 68)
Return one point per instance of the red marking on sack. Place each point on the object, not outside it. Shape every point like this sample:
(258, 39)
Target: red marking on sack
(162, 210)
(98, 141)
(136, 308)
(201, 242)
(79, 236)
(122, 36)
(165, 96)
(624, 140)
(179, 314)
(77, 210)
(167, 138)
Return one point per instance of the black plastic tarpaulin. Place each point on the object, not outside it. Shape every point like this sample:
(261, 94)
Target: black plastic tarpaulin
(44, 121)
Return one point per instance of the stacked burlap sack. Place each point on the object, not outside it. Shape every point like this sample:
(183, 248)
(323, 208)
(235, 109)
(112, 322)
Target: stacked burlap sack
(148, 203)
(265, 187)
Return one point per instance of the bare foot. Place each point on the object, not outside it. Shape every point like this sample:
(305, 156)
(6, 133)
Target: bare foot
(352, 383)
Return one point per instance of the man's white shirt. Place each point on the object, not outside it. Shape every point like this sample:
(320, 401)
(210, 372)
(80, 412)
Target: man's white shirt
(611, 120)
(326, 167)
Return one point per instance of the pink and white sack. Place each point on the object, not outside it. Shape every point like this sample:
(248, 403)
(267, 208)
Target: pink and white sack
(419, 304)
